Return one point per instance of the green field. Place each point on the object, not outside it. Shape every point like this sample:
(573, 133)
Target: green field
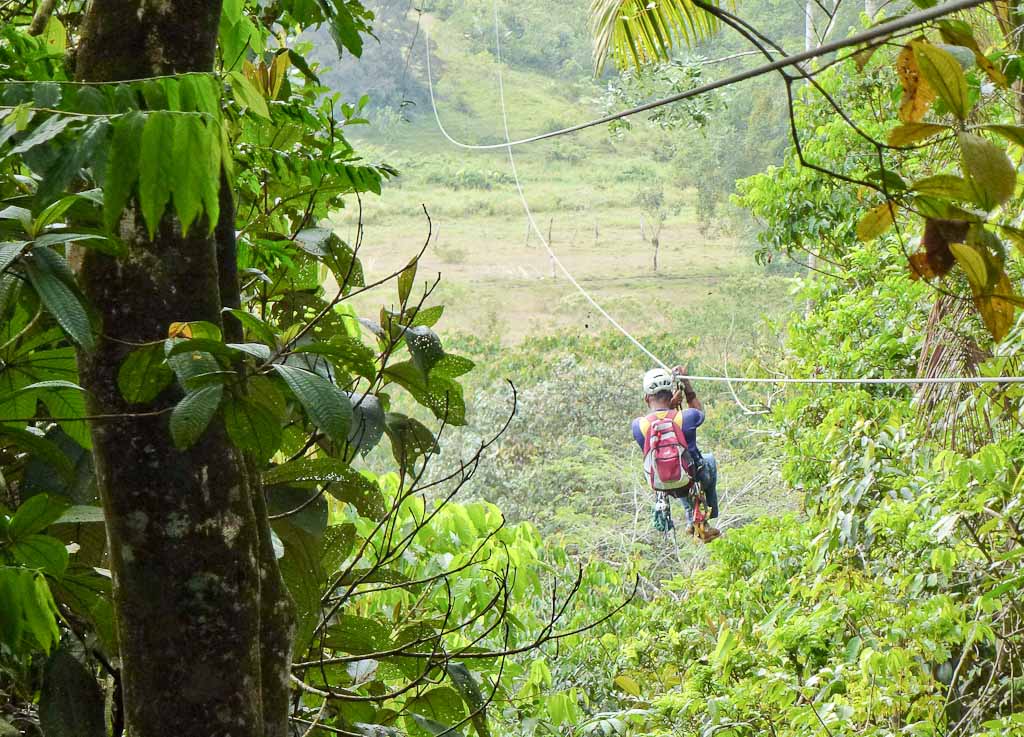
(498, 281)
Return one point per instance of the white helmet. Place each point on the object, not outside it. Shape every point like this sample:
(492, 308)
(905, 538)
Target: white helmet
(657, 380)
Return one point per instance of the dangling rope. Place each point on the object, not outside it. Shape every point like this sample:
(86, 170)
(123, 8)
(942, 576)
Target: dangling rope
(509, 143)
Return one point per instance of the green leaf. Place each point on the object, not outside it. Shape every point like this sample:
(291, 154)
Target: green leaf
(50, 129)
(122, 166)
(876, 221)
(41, 552)
(258, 351)
(910, 133)
(34, 515)
(71, 703)
(247, 95)
(327, 406)
(434, 728)
(252, 427)
(346, 483)
(469, 688)
(989, 168)
(156, 167)
(945, 75)
(424, 347)
(81, 514)
(58, 177)
(406, 280)
(192, 415)
(144, 374)
(349, 353)
(191, 148)
(945, 185)
(439, 706)
(233, 10)
(9, 252)
(42, 266)
(336, 546)
(358, 635)
(440, 394)
(410, 438)
(39, 609)
(367, 424)
(41, 450)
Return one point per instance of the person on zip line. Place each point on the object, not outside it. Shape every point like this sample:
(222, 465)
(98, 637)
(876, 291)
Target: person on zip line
(668, 438)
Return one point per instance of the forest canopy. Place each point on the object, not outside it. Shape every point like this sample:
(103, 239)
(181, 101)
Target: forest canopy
(258, 478)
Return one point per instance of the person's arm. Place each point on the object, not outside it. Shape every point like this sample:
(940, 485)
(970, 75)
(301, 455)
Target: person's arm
(688, 393)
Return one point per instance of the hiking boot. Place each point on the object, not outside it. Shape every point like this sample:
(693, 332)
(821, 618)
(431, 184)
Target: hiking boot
(711, 533)
(689, 529)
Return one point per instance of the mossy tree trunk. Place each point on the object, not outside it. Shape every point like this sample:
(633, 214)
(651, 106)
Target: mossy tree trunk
(204, 621)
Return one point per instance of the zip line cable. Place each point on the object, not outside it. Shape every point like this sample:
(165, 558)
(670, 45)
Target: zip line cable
(611, 319)
(871, 34)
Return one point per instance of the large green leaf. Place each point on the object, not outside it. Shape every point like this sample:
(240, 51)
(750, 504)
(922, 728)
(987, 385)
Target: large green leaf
(424, 347)
(410, 438)
(156, 167)
(193, 413)
(35, 515)
(41, 552)
(191, 150)
(252, 427)
(327, 406)
(122, 166)
(988, 168)
(469, 688)
(9, 252)
(336, 546)
(439, 393)
(144, 374)
(945, 76)
(61, 299)
(345, 483)
(348, 353)
(367, 424)
(358, 635)
(71, 703)
(440, 706)
(638, 32)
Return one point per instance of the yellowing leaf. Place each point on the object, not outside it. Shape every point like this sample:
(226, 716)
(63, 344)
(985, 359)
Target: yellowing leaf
(278, 72)
(179, 330)
(972, 262)
(909, 133)
(875, 221)
(944, 75)
(247, 95)
(917, 94)
(997, 308)
(628, 684)
(988, 168)
(1012, 133)
(55, 36)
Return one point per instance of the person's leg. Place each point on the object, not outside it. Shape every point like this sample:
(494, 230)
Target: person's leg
(709, 481)
(685, 501)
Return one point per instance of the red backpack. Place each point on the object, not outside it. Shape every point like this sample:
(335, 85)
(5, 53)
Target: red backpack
(668, 463)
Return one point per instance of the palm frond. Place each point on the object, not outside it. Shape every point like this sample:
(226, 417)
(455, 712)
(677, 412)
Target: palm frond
(638, 32)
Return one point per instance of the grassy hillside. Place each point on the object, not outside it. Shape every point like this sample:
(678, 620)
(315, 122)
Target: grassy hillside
(582, 189)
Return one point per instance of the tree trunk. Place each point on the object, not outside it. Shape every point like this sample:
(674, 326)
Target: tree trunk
(189, 539)
(655, 241)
